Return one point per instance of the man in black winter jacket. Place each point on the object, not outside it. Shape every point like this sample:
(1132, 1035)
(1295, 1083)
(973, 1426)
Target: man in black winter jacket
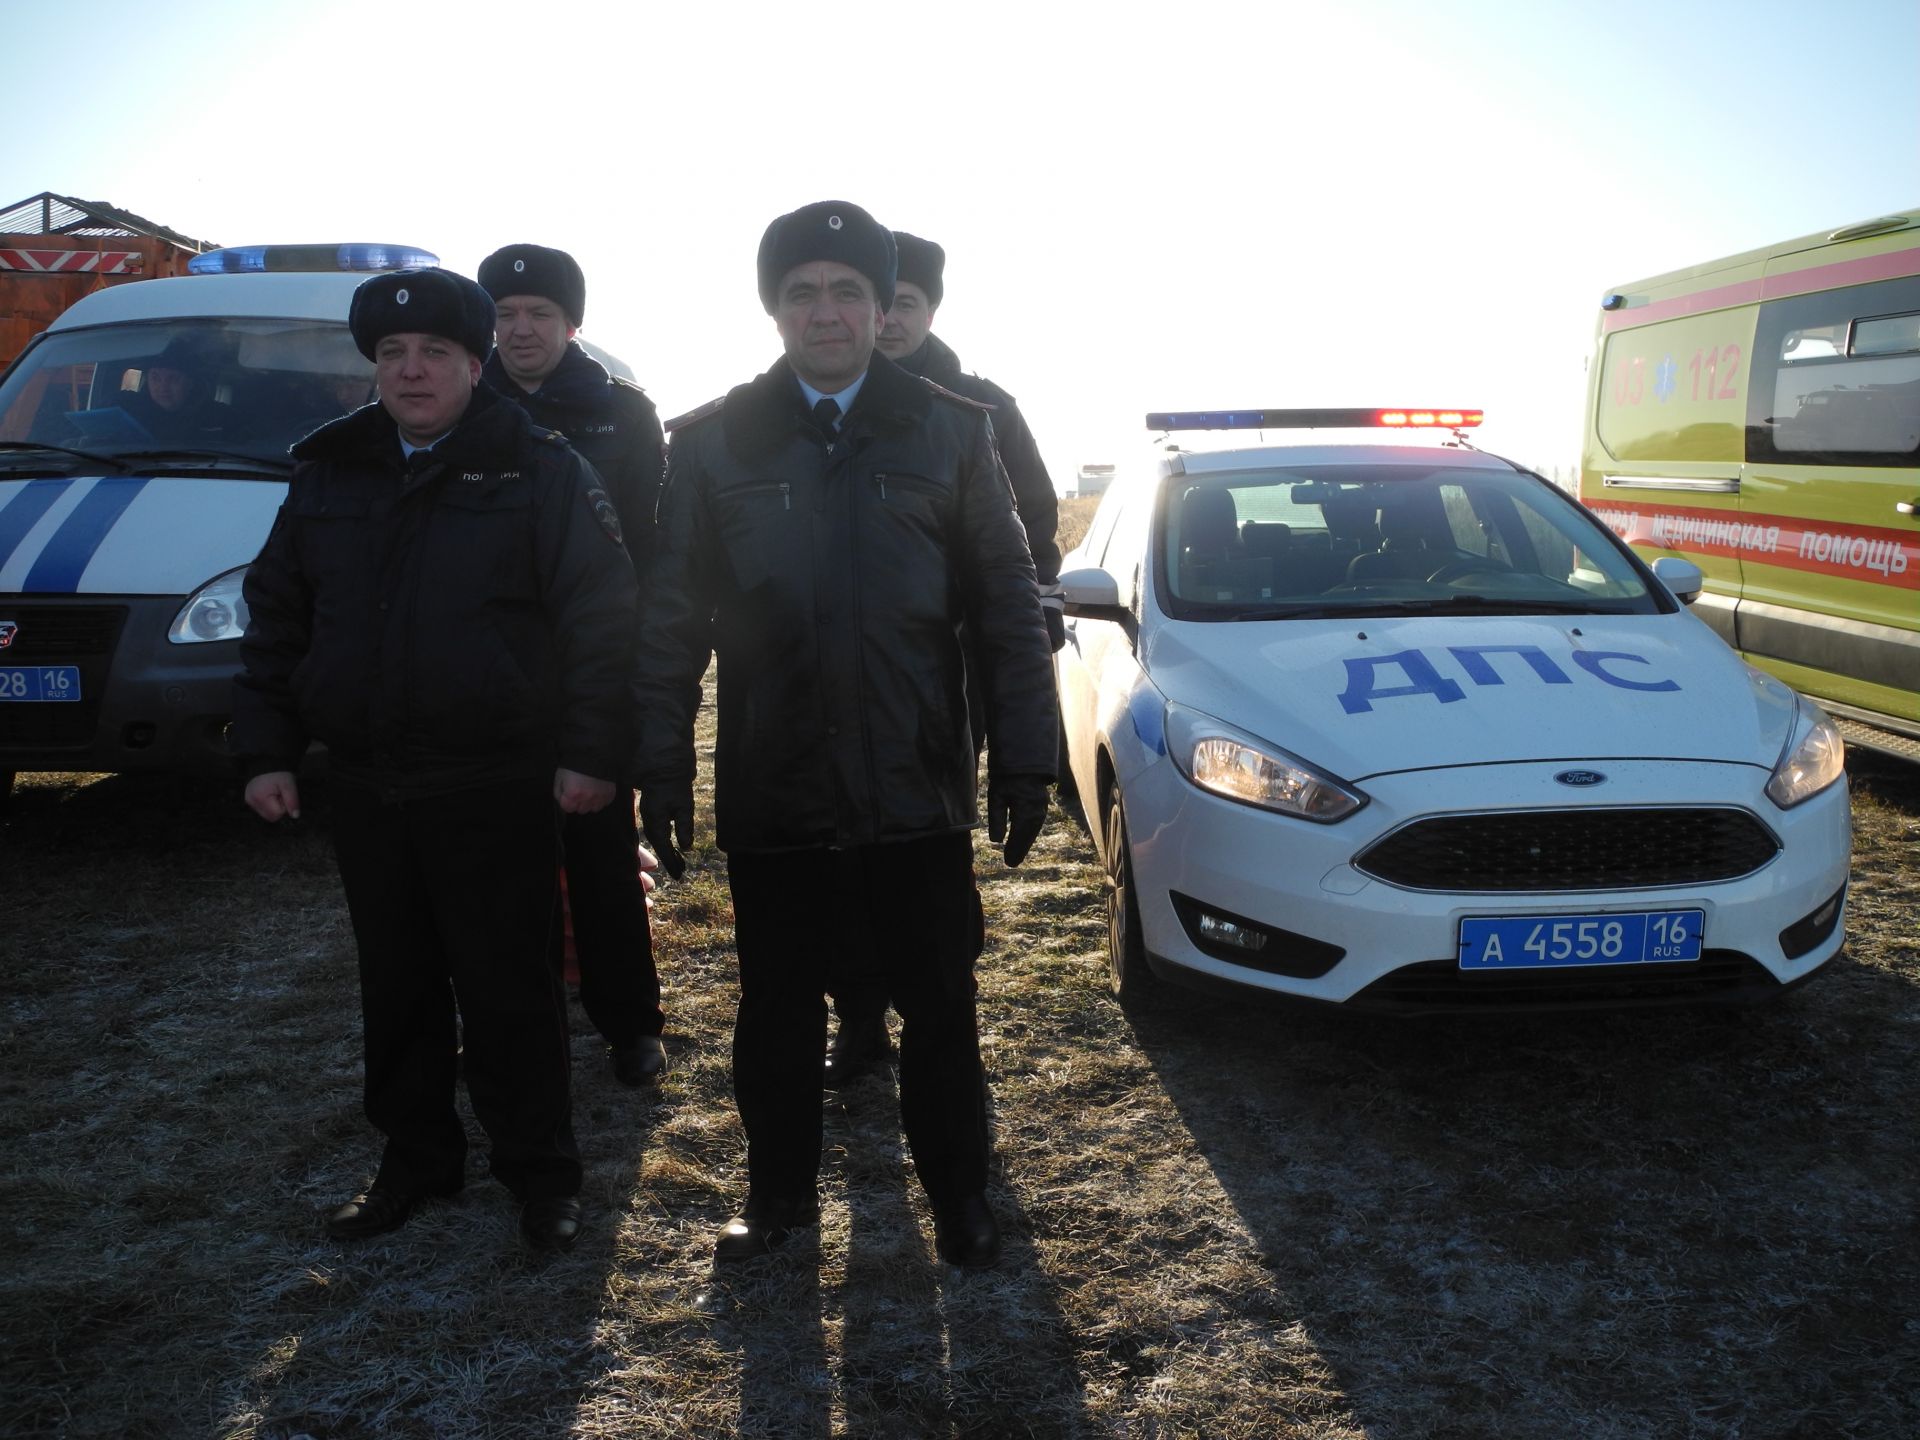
(907, 339)
(540, 299)
(825, 530)
(445, 604)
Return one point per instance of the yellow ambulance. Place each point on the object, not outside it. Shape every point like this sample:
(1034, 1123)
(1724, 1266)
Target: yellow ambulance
(1760, 416)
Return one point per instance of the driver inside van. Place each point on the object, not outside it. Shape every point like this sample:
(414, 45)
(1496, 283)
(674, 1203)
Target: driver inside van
(176, 403)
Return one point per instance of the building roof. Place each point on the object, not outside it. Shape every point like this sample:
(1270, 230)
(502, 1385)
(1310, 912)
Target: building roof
(51, 214)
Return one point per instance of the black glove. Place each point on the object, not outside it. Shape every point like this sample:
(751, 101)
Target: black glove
(1016, 809)
(1053, 610)
(666, 812)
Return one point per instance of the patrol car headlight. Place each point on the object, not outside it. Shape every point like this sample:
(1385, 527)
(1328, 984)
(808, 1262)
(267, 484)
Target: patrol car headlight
(213, 612)
(1811, 762)
(1230, 763)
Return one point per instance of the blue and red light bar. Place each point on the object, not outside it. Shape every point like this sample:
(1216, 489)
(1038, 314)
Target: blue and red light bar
(257, 259)
(1401, 418)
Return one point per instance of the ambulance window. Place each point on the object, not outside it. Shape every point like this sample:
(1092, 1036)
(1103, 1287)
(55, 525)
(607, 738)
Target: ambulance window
(1837, 378)
(1886, 335)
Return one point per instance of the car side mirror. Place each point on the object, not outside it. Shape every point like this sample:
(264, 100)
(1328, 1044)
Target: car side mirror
(1682, 577)
(1093, 594)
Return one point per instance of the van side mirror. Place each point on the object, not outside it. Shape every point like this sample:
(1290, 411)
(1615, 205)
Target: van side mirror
(1682, 577)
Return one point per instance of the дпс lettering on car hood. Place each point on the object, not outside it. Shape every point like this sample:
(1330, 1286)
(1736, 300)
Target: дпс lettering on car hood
(1370, 696)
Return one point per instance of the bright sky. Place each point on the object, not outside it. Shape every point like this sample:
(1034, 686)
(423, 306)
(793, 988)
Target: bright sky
(1144, 207)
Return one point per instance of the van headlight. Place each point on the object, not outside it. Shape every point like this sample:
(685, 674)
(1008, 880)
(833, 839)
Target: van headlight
(1815, 756)
(1238, 766)
(215, 611)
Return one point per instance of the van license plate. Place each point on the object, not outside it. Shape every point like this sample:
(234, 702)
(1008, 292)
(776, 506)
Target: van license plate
(39, 682)
(1532, 942)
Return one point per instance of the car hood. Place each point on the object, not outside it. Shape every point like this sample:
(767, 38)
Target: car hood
(132, 534)
(1367, 697)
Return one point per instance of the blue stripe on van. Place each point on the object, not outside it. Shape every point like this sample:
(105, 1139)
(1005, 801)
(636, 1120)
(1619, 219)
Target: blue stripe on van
(23, 512)
(65, 559)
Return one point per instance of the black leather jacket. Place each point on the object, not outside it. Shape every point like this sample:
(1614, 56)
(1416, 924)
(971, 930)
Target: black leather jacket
(461, 617)
(831, 581)
(611, 422)
(1032, 487)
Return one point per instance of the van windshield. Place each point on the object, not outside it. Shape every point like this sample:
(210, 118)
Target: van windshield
(1388, 538)
(242, 387)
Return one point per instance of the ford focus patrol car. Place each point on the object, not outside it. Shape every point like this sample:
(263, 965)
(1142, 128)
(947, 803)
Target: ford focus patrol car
(143, 456)
(1403, 727)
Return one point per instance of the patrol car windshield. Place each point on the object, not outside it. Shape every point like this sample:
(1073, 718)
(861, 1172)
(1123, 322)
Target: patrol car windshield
(1386, 539)
(245, 389)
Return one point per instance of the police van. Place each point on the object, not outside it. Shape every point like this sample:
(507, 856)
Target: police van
(1760, 415)
(143, 456)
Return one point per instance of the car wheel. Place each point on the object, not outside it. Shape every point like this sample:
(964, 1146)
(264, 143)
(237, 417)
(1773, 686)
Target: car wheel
(1127, 972)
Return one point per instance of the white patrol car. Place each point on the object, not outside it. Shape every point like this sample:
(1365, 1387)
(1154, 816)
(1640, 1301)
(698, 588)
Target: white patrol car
(1403, 727)
(143, 456)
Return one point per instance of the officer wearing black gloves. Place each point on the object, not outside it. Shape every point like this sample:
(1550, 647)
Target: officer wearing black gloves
(826, 529)
(907, 339)
(540, 296)
(445, 603)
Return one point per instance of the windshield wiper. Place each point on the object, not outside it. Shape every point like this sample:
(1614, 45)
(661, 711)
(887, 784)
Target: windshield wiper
(1502, 604)
(16, 446)
(1293, 612)
(206, 453)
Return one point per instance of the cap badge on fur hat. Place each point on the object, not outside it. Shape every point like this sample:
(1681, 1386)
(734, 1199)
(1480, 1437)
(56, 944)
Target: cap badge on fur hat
(519, 266)
(400, 297)
(836, 230)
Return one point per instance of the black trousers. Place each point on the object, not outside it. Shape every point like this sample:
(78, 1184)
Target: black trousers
(452, 897)
(612, 941)
(914, 904)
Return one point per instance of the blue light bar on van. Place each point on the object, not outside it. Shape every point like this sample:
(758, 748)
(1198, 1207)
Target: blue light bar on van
(251, 259)
(1407, 417)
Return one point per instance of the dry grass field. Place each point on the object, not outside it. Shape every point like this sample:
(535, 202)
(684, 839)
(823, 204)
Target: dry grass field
(1223, 1221)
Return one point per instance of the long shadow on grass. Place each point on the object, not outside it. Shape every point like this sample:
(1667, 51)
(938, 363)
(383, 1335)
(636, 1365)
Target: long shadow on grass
(1632, 1225)
(928, 1352)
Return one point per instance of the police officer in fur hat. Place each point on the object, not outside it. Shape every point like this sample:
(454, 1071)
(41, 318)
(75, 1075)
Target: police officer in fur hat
(908, 340)
(826, 530)
(445, 604)
(540, 300)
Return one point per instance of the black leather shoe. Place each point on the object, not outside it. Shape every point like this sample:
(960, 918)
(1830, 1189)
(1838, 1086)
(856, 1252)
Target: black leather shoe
(381, 1209)
(763, 1226)
(858, 1046)
(641, 1063)
(966, 1234)
(551, 1223)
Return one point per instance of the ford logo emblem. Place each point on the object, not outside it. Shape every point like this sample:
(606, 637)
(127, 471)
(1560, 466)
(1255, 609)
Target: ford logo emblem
(1581, 777)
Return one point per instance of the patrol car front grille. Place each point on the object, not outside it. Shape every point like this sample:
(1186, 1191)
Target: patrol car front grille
(1596, 849)
(61, 634)
(83, 635)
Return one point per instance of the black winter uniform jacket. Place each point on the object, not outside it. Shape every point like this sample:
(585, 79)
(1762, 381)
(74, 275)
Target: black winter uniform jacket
(457, 618)
(1032, 487)
(611, 422)
(831, 581)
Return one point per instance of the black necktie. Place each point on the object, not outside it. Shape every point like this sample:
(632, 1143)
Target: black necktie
(826, 414)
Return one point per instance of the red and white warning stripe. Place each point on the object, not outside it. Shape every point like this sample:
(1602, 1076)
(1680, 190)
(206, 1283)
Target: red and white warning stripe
(72, 262)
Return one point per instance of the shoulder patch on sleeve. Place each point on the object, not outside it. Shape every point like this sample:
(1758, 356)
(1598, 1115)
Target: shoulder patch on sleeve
(603, 511)
(947, 394)
(680, 422)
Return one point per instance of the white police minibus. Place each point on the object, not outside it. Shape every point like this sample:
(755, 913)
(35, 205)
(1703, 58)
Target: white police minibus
(143, 455)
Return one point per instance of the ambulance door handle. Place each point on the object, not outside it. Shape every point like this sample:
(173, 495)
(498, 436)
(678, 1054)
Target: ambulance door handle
(1907, 507)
